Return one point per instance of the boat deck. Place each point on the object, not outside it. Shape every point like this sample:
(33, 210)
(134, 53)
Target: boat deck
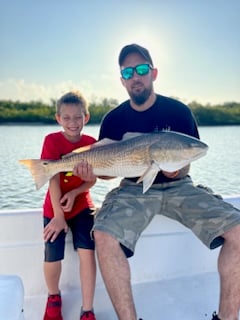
(188, 298)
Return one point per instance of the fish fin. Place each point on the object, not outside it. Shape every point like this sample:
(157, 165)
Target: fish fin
(100, 143)
(149, 176)
(103, 142)
(79, 150)
(130, 135)
(38, 171)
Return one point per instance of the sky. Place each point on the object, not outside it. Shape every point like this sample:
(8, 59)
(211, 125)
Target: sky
(49, 47)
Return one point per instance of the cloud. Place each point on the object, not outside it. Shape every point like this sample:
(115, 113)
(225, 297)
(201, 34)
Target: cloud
(22, 90)
(19, 89)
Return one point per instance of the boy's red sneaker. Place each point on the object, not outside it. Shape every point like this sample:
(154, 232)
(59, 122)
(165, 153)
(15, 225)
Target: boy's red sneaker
(53, 308)
(87, 315)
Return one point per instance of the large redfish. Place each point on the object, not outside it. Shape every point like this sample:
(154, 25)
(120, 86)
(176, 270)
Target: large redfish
(136, 155)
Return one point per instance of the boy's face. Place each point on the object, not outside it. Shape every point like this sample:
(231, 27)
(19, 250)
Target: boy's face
(72, 119)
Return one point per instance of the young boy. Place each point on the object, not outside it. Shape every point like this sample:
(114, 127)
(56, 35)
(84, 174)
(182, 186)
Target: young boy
(68, 204)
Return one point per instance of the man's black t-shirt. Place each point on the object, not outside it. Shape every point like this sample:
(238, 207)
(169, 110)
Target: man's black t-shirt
(165, 114)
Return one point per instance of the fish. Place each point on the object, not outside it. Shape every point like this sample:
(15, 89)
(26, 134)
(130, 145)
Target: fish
(140, 155)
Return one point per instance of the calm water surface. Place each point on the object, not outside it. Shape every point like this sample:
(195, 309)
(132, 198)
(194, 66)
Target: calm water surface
(219, 169)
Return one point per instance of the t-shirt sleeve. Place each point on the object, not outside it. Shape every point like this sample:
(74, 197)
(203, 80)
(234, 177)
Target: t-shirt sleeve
(49, 149)
(110, 127)
(103, 128)
(194, 128)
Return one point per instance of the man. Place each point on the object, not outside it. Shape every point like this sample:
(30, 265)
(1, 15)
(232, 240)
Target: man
(123, 215)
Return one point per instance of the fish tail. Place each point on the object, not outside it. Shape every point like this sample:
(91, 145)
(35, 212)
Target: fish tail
(38, 170)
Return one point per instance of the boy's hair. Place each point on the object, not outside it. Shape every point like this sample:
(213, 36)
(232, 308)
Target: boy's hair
(72, 97)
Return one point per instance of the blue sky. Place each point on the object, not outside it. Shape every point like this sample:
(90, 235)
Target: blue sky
(51, 46)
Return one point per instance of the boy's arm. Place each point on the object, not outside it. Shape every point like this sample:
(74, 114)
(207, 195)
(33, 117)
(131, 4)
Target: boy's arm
(58, 222)
(67, 201)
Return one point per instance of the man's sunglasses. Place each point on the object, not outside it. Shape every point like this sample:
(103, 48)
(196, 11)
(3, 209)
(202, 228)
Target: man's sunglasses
(140, 69)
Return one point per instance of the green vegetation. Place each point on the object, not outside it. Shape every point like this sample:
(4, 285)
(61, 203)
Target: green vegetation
(39, 112)
(210, 115)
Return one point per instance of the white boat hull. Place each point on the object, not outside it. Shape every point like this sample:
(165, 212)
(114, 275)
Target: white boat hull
(174, 275)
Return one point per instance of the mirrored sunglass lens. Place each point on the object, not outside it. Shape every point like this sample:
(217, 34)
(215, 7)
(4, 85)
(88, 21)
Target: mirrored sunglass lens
(127, 73)
(142, 69)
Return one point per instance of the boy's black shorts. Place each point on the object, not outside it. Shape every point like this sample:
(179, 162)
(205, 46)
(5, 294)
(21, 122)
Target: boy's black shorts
(81, 226)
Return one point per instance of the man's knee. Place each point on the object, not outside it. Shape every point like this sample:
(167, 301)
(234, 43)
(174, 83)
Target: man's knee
(232, 236)
(98, 236)
(103, 239)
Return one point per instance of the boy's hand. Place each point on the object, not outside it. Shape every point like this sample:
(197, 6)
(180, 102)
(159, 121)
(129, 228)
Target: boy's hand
(53, 228)
(67, 201)
(85, 171)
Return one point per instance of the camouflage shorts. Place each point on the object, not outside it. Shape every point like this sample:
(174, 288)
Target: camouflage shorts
(126, 211)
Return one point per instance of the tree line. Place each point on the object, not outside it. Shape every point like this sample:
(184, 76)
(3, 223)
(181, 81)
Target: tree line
(18, 112)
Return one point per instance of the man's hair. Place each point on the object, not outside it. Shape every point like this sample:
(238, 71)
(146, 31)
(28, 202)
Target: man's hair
(72, 97)
(134, 48)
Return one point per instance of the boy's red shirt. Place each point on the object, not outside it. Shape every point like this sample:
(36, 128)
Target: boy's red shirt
(54, 147)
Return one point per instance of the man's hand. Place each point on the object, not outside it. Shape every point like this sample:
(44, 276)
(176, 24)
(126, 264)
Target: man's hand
(177, 174)
(171, 175)
(85, 171)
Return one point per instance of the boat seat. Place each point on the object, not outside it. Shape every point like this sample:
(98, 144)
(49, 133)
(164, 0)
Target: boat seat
(11, 297)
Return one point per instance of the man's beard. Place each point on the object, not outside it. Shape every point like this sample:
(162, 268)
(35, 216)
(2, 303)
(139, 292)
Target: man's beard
(140, 98)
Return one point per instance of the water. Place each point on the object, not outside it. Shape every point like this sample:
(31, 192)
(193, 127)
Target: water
(219, 169)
